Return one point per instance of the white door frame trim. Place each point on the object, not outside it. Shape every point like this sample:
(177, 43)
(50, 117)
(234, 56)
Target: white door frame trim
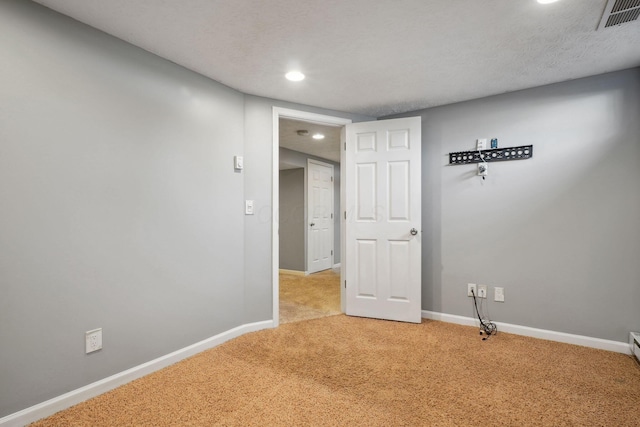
(279, 112)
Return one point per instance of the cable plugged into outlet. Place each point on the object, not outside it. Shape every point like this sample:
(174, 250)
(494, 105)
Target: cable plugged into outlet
(487, 327)
(483, 169)
(482, 291)
(471, 289)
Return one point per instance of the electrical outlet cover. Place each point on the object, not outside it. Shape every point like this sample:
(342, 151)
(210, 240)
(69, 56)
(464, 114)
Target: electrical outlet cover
(471, 286)
(93, 340)
(498, 294)
(482, 291)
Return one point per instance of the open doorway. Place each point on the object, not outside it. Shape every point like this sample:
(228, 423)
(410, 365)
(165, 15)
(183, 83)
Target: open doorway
(306, 267)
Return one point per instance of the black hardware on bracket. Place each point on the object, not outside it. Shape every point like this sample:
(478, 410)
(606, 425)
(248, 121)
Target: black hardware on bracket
(492, 155)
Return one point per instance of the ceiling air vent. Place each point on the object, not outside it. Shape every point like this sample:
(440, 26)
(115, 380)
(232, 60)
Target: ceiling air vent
(618, 12)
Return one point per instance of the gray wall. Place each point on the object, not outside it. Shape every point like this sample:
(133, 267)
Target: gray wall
(291, 217)
(561, 231)
(112, 169)
(120, 207)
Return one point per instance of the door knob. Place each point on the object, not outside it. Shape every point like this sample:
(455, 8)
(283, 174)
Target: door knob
(313, 223)
(413, 231)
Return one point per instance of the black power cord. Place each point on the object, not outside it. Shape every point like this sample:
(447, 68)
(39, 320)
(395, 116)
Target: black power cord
(488, 327)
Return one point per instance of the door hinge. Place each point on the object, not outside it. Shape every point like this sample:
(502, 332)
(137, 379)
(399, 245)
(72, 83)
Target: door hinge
(331, 252)
(331, 179)
(345, 283)
(331, 216)
(345, 146)
(345, 214)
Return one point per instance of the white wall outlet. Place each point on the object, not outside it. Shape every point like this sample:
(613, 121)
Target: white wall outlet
(238, 162)
(498, 294)
(481, 144)
(248, 207)
(93, 340)
(483, 169)
(471, 287)
(482, 291)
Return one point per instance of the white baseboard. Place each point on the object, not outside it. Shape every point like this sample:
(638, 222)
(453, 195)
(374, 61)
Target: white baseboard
(618, 347)
(51, 406)
(336, 266)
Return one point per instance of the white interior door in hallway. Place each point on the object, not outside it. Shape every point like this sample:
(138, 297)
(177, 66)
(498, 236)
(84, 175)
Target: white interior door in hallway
(319, 216)
(382, 219)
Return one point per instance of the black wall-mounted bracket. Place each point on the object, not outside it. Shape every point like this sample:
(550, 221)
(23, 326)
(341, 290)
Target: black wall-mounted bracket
(491, 155)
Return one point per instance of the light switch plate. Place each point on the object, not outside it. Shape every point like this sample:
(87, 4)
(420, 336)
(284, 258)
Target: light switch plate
(248, 207)
(238, 162)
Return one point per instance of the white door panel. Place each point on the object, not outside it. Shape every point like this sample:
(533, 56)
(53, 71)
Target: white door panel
(383, 257)
(320, 216)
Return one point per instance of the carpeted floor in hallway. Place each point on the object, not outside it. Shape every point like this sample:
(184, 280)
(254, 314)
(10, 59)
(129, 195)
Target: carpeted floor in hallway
(309, 297)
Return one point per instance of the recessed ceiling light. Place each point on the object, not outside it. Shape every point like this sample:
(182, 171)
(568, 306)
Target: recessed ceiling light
(294, 76)
(303, 132)
(318, 136)
(546, 1)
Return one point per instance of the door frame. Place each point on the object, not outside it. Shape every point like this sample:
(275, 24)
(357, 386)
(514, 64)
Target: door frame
(287, 113)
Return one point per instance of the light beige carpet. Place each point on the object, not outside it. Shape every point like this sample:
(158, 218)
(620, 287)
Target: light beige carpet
(346, 371)
(309, 297)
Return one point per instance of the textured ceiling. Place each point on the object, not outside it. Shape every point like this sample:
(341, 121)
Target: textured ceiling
(374, 58)
(328, 148)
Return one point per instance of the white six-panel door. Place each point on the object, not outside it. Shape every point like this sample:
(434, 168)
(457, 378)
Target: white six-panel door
(319, 216)
(383, 219)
